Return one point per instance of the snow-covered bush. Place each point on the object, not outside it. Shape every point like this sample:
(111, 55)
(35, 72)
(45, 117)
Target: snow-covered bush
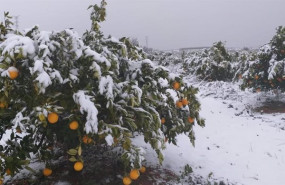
(211, 64)
(267, 71)
(168, 58)
(240, 60)
(57, 89)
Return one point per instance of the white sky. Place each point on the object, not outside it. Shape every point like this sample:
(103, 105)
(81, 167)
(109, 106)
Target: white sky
(169, 24)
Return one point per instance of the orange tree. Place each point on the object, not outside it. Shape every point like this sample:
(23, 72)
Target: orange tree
(210, 64)
(57, 89)
(267, 71)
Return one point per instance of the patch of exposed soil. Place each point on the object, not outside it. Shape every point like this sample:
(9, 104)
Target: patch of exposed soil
(271, 107)
(100, 168)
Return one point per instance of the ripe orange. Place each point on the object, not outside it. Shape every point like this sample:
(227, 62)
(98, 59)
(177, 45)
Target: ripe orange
(127, 181)
(134, 174)
(190, 120)
(78, 166)
(1, 181)
(73, 125)
(142, 169)
(18, 130)
(13, 72)
(162, 120)
(3, 105)
(86, 139)
(8, 171)
(52, 117)
(179, 104)
(176, 85)
(184, 102)
(256, 77)
(47, 172)
(116, 140)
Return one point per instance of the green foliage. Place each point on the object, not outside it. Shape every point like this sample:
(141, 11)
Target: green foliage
(187, 171)
(267, 71)
(168, 58)
(211, 64)
(105, 84)
(242, 58)
(5, 27)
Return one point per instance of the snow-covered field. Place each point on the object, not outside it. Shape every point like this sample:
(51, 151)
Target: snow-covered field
(237, 145)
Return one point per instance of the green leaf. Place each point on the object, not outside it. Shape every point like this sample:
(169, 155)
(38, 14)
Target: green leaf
(72, 159)
(42, 117)
(3, 66)
(79, 150)
(30, 169)
(160, 156)
(72, 151)
(127, 144)
(6, 93)
(24, 162)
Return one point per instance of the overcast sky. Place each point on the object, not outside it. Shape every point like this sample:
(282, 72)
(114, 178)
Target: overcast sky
(168, 24)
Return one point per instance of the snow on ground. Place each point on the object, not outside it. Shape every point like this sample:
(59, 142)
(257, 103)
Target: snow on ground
(237, 145)
(62, 183)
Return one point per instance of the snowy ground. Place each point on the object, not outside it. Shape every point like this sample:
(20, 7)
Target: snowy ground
(237, 145)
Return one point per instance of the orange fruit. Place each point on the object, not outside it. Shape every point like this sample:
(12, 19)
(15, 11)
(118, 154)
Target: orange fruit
(8, 171)
(52, 117)
(142, 169)
(1, 181)
(18, 130)
(3, 105)
(78, 166)
(162, 120)
(47, 172)
(179, 104)
(134, 174)
(190, 120)
(127, 181)
(115, 140)
(86, 139)
(184, 102)
(73, 125)
(176, 85)
(256, 77)
(13, 72)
